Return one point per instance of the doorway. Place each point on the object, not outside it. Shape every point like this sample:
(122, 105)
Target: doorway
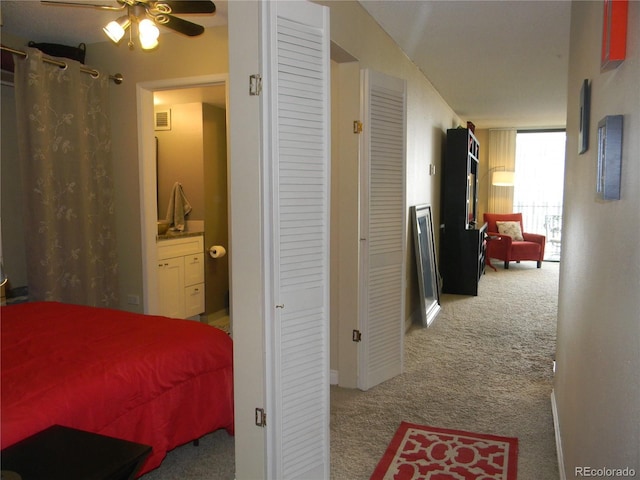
(209, 94)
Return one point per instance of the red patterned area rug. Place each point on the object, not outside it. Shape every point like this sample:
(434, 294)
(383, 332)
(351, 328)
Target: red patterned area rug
(420, 452)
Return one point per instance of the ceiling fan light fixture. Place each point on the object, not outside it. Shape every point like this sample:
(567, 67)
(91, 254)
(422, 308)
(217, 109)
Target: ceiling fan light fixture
(147, 15)
(116, 28)
(148, 34)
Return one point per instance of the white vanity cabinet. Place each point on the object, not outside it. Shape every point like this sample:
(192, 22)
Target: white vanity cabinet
(181, 276)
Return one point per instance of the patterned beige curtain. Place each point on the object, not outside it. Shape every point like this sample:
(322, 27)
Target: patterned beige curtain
(502, 156)
(65, 152)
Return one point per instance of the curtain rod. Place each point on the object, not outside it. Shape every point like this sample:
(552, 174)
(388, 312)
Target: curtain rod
(117, 78)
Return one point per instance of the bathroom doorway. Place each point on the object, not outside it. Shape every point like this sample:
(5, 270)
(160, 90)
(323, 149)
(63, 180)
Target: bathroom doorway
(189, 146)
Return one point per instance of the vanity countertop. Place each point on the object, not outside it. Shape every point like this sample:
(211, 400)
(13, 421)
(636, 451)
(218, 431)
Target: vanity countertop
(171, 235)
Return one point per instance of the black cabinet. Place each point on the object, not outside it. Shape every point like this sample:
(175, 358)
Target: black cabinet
(462, 243)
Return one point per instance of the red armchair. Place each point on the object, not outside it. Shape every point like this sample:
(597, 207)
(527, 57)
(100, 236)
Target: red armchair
(511, 248)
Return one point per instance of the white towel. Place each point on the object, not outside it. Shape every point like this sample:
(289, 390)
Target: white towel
(179, 207)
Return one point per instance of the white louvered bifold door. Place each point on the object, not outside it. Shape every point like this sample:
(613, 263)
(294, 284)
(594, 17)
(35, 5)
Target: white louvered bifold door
(383, 225)
(297, 103)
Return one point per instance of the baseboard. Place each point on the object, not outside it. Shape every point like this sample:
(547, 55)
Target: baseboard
(556, 428)
(333, 377)
(414, 318)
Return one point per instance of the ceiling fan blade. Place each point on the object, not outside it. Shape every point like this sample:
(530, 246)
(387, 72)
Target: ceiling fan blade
(179, 25)
(187, 6)
(87, 5)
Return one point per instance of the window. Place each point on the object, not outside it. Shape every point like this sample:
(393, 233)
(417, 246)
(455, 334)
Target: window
(539, 185)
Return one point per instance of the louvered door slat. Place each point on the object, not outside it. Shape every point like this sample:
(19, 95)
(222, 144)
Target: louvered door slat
(299, 115)
(384, 228)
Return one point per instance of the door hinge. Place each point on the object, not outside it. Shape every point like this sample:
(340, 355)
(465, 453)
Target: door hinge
(357, 126)
(357, 336)
(255, 84)
(261, 417)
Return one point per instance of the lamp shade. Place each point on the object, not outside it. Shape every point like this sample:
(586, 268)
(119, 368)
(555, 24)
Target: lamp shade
(115, 29)
(148, 34)
(503, 179)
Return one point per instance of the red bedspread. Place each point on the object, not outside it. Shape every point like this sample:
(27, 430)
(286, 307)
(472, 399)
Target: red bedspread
(147, 379)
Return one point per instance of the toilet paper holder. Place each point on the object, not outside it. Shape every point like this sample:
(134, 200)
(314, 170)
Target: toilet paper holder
(217, 251)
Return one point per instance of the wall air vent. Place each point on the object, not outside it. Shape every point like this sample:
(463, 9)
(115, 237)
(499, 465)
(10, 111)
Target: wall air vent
(163, 120)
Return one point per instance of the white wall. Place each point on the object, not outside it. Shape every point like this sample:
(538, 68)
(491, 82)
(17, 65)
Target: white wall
(597, 385)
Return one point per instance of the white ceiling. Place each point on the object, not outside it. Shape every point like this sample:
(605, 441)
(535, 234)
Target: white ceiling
(497, 63)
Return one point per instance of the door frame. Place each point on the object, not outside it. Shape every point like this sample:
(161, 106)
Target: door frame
(345, 219)
(148, 175)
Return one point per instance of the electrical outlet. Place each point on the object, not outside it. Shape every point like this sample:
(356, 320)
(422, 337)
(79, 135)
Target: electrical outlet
(133, 299)
(432, 169)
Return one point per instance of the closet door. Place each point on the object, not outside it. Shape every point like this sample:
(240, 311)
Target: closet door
(297, 159)
(383, 226)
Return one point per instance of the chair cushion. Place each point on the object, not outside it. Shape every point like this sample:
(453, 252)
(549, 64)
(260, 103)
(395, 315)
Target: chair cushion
(525, 251)
(512, 229)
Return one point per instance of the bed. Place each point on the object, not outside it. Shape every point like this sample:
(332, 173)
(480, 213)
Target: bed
(148, 379)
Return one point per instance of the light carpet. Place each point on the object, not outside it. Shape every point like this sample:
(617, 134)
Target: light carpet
(485, 365)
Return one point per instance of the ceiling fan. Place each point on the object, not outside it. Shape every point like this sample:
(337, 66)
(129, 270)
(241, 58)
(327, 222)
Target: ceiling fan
(146, 15)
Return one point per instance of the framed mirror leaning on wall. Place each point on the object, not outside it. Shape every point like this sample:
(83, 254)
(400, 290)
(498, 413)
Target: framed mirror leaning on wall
(425, 251)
